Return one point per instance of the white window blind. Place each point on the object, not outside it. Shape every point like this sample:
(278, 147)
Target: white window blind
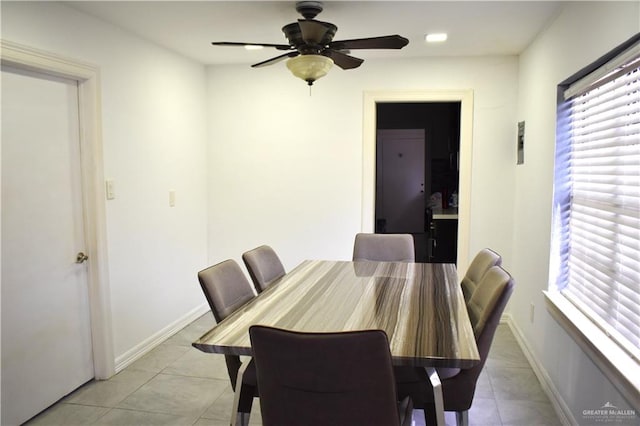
(597, 198)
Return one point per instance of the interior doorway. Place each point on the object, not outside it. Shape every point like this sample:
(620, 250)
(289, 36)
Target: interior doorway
(417, 151)
(370, 118)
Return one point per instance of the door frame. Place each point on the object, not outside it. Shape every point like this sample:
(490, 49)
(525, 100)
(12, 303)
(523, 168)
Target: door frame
(93, 201)
(465, 97)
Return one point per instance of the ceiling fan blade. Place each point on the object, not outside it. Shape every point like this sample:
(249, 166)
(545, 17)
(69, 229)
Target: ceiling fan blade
(342, 60)
(276, 59)
(316, 32)
(384, 42)
(239, 43)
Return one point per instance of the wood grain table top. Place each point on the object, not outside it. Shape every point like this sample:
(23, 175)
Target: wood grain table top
(419, 305)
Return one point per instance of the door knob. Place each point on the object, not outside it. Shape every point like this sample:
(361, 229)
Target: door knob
(81, 257)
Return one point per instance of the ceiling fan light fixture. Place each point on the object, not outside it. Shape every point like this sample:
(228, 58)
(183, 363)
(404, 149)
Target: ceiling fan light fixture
(310, 67)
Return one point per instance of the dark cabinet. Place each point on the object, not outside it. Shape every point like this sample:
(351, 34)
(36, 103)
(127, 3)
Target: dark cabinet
(442, 245)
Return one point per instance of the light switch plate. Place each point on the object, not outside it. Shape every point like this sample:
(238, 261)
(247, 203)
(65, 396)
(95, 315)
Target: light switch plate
(521, 142)
(110, 190)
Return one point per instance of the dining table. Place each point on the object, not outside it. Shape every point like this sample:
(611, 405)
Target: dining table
(420, 306)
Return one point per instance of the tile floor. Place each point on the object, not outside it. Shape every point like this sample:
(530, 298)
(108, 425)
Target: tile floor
(176, 384)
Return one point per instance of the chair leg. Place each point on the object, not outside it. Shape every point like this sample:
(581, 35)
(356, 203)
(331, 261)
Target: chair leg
(239, 418)
(430, 415)
(462, 418)
(437, 395)
(242, 419)
(245, 402)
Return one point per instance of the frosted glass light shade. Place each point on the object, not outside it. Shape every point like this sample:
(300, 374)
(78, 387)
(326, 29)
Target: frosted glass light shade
(309, 67)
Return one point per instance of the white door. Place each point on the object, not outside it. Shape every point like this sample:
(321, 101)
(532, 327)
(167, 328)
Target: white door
(401, 191)
(46, 334)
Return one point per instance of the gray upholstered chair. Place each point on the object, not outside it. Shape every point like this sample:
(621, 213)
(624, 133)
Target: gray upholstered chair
(320, 379)
(485, 309)
(227, 289)
(264, 266)
(384, 247)
(485, 259)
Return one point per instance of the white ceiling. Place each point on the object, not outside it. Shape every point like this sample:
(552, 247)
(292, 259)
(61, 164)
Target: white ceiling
(188, 27)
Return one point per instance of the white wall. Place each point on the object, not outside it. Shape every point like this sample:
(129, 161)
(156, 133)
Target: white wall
(281, 167)
(286, 167)
(582, 33)
(154, 136)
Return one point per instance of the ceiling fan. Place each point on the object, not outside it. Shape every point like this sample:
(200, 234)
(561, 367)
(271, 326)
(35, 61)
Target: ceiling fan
(312, 51)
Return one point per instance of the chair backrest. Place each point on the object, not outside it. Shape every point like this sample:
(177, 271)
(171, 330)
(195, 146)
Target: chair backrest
(485, 309)
(226, 288)
(264, 266)
(384, 247)
(485, 259)
(482, 303)
(324, 378)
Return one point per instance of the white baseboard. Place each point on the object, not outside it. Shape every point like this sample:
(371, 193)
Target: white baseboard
(562, 410)
(154, 340)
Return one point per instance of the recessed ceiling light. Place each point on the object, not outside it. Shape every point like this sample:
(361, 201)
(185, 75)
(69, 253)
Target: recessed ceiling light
(252, 47)
(435, 37)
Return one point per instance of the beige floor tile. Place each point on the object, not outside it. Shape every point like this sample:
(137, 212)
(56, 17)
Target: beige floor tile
(108, 393)
(196, 363)
(508, 354)
(179, 395)
(522, 412)
(221, 407)
(504, 334)
(211, 422)
(483, 386)
(220, 410)
(484, 412)
(516, 384)
(159, 358)
(175, 384)
(68, 415)
(119, 417)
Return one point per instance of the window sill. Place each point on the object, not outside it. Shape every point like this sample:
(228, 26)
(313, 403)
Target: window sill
(615, 363)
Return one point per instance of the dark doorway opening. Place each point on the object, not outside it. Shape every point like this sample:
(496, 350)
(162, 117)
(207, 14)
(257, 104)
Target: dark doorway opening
(434, 185)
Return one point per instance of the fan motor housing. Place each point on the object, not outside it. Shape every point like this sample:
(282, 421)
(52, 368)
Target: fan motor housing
(293, 34)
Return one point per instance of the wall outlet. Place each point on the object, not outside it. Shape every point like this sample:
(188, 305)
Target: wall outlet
(532, 311)
(172, 198)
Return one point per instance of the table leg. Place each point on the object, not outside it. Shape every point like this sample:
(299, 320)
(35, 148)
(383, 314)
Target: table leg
(437, 394)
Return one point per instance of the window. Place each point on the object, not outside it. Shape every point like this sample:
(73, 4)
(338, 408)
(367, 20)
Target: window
(595, 261)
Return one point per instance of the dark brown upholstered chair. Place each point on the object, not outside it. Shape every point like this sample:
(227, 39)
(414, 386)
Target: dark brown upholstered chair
(384, 247)
(227, 289)
(485, 259)
(321, 379)
(264, 266)
(485, 309)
